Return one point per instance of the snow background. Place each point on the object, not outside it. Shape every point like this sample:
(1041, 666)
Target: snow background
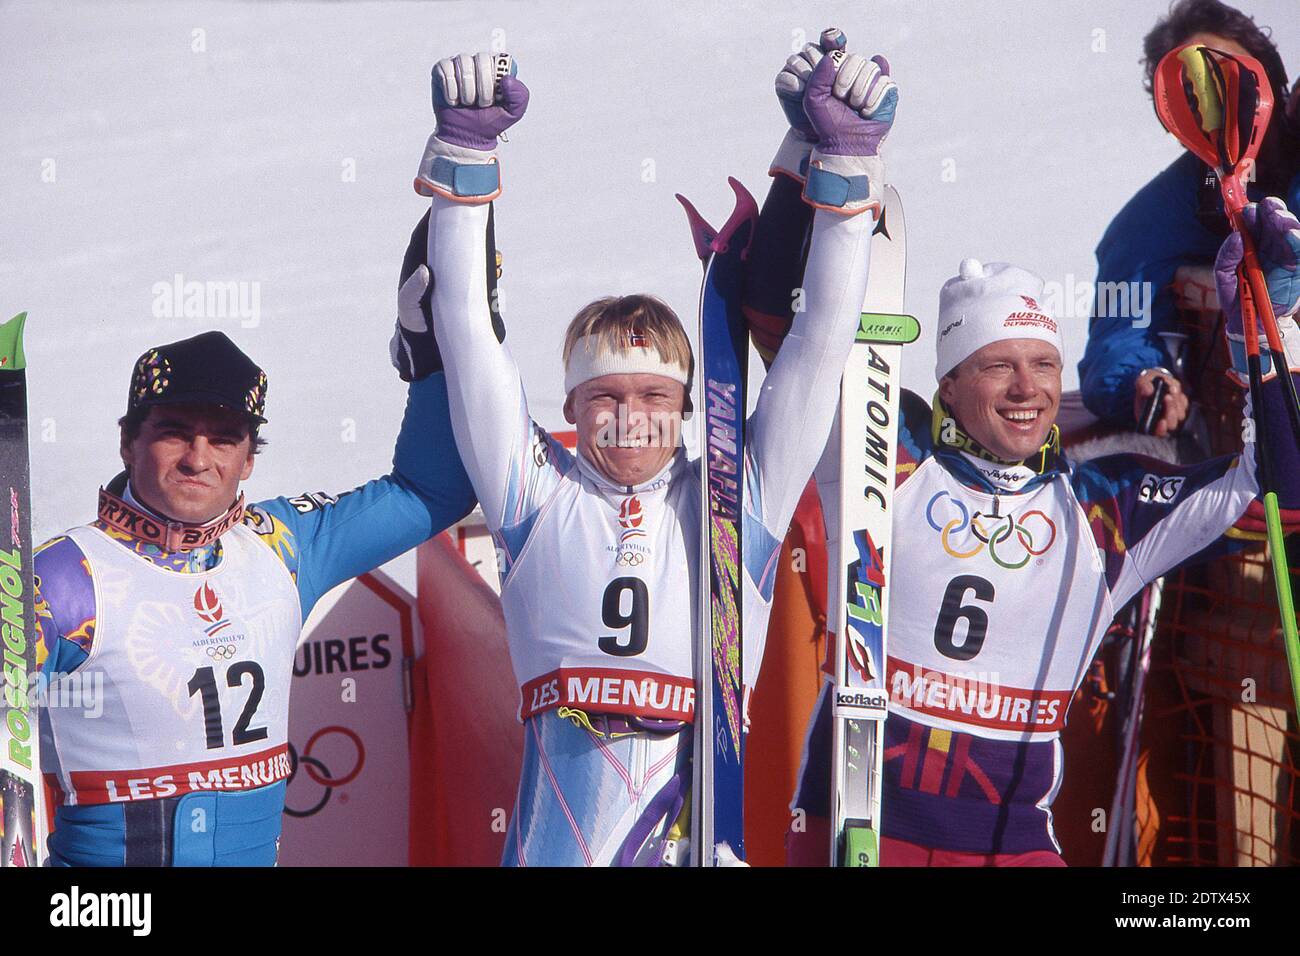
(216, 141)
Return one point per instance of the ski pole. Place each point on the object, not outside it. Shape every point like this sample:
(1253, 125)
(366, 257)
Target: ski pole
(1206, 82)
(1209, 122)
(1272, 515)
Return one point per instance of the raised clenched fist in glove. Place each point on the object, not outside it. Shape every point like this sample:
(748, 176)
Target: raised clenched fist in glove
(792, 81)
(851, 106)
(850, 102)
(476, 97)
(792, 156)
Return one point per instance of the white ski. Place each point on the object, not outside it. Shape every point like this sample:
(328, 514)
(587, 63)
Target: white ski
(856, 481)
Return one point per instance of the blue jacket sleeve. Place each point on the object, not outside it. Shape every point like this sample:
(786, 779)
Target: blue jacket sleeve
(1157, 231)
(915, 442)
(324, 540)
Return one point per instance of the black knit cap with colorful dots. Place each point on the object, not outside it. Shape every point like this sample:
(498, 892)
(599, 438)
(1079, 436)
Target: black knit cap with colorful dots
(207, 369)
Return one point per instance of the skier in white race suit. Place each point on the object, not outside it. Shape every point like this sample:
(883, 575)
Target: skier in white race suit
(1009, 562)
(599, 549)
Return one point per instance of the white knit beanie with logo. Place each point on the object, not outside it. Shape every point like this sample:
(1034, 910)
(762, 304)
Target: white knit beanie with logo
(990, 303)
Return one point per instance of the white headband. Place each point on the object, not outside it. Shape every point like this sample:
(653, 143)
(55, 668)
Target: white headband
(990, 303)
(589, 360)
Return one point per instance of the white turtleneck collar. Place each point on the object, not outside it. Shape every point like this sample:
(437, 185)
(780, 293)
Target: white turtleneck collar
(660, 479)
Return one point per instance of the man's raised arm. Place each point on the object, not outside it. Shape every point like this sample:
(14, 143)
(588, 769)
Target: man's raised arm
(849, 110)
(460, 173)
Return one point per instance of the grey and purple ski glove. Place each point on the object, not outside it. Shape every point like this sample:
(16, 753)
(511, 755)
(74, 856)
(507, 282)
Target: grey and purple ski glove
(792, 156)
(851, 105)
(476, 98)
(1277, 240)
(792, 81)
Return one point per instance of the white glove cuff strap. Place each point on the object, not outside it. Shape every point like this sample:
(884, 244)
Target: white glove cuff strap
(792, 157)
(844, 184)
(457, 173)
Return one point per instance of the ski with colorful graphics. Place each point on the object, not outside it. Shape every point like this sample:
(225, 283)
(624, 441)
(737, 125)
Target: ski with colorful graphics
(856, 482)
(717, 812)
(20, 842)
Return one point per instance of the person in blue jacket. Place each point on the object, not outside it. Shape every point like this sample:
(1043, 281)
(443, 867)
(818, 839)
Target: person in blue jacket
(1174, 220)
(168, 624)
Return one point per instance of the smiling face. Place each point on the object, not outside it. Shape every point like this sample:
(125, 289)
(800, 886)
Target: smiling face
(1006, 396)
(187, 461)
(629, 425)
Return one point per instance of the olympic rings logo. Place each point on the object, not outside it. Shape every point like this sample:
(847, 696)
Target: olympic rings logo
(629, 559)
(318, 772)
(1033, 532)
(221, 652)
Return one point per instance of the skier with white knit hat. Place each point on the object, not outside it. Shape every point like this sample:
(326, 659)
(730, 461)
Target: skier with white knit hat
(989, 303)
(1009, 562)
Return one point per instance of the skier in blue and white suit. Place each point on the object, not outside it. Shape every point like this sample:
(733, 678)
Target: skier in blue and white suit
(168, 624)
(600, 549)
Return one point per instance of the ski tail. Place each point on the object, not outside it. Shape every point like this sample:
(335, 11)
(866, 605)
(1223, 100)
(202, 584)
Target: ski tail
(702, 234)
(738, 230)
(12, 355)
(739, 227)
